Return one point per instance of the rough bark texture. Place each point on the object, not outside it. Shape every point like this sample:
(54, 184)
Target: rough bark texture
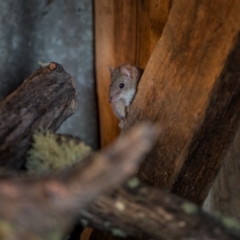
(44, 207)
(27, 35)
(183, 83)
(149, 213)
(44, 100)
(125, 32)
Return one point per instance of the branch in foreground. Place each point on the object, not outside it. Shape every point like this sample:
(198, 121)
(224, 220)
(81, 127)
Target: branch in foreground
(45, 99)
(44, 207)
(146, 212)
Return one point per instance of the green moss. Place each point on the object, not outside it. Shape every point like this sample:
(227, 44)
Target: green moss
(84, 222)
(227, 221)
(56, 235)
(189, 208)
(47, 153)
(107, 224)
(118, 232)
(133, 182)
(230, 223)
(5, 230)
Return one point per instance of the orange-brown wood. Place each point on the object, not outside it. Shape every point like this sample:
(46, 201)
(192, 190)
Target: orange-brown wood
(115, 36)
(178, 91)
(151, 18)
(104, 45)
(125, 32)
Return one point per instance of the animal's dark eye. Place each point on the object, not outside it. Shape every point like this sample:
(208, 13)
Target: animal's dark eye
(121, 85)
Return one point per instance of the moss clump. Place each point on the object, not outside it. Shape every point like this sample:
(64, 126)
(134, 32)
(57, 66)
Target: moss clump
(133, 182)
(230, 223)
(227, 222)
(5, 230)
(118, 232)
(51, 151)
(84, 222)
(189, 208)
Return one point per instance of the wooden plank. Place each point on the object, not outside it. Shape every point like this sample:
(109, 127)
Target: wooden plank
(103, 56)
(115, 44)
(151, 18)
(125, 31)
(221, 122)
(178, 88)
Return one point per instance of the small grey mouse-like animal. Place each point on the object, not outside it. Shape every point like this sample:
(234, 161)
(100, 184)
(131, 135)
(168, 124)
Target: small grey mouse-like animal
(124, 82)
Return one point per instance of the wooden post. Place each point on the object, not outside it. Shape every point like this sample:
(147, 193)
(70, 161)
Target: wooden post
(125, 31)
(181, 91)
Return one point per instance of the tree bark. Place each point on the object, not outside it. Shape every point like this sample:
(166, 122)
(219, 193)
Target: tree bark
(44, 100)
(44, 207)
(146, 212)
(190, 69)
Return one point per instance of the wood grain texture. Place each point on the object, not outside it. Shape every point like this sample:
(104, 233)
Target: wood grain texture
(221, 122)
(115, 44)
(179, 84)
(44, 100)
(104, 48)
(151, 19)
(125, 32)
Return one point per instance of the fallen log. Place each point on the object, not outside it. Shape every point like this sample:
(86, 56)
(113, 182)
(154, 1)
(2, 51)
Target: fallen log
(146, 212)
(45, 206)
(44, 100)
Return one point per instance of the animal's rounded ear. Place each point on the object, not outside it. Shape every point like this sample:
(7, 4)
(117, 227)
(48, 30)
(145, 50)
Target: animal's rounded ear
(110, 68)
(126, 69)
(130, 71)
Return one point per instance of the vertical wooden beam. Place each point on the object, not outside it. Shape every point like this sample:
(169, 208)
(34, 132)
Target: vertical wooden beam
(179, 89)
(209, 148)
(151, 18)
(104, 48)
(115, 36)
(125, 31)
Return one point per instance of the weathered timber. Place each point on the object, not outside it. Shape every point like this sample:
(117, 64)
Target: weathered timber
(221, 122)
(151, 18)
(225, 193)
(45, 206)
(126, 32)
(44, 100)
(149, 213)
(181, 84)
